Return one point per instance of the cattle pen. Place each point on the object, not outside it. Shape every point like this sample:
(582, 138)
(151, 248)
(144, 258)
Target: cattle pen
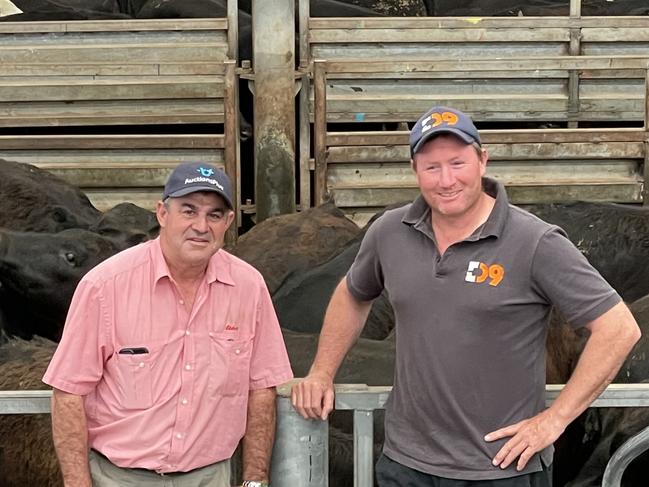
(562, 101)
(300, 455)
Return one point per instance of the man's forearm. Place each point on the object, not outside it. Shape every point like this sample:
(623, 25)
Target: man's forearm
(260, 434)
(70, 434)
(612, 338)
(343, 323)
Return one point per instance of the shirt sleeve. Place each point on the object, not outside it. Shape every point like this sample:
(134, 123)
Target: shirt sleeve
(269, 364)
(564, 276)
(365, 276)
(77, 364)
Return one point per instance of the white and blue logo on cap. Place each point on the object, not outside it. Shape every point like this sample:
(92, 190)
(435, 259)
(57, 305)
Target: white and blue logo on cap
(191, 177)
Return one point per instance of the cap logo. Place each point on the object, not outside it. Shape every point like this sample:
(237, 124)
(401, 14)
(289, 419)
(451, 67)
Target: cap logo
(206, 172)
(449, 118)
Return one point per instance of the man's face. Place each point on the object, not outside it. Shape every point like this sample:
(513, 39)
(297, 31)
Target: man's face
(449, 174)
(192, 227)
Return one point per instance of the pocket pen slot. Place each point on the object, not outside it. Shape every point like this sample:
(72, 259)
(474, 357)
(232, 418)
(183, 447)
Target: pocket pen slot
(133, 351)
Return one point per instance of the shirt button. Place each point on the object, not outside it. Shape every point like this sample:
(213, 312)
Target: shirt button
(181, 301)
(211, 334)
(184, 402)
(188, 332)
(237, 351)
(179, 435)
(188, 367)
(140, 365)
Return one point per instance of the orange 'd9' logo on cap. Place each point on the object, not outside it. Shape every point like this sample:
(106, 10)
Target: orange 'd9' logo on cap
(479, 272)
(436, 118)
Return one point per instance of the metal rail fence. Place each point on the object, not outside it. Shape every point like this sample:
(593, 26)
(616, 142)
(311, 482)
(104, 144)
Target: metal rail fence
(300, 455)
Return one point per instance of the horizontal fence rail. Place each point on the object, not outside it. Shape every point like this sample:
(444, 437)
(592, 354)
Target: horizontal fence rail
(297, 438)
(300, 455)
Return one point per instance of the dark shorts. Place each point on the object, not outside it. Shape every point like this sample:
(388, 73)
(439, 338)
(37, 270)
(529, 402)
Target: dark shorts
(393, 474)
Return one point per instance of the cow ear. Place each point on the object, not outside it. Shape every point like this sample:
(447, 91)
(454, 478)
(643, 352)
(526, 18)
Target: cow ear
(60, 214)
(56, 217)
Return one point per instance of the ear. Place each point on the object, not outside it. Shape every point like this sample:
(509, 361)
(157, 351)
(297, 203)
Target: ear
(230, 218)
(161, 213)
(483, 162)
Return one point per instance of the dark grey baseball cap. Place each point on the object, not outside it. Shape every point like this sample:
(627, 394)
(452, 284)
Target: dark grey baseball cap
(442, 120)
(190, 177)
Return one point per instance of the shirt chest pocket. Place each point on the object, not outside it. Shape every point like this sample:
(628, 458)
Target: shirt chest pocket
(229, 364)
(136, 379)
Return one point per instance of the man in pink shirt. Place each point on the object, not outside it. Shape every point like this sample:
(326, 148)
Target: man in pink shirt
(170, 355)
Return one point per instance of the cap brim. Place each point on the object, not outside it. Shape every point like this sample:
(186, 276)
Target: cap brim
(194, 189)
(443, 130)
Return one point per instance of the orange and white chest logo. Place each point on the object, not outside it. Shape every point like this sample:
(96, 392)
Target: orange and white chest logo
(479, 272)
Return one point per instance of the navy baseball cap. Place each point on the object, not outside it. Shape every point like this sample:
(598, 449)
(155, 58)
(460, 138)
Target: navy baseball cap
(442, 120)
(190, 177)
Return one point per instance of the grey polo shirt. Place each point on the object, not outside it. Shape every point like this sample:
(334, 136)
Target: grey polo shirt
(470, 329)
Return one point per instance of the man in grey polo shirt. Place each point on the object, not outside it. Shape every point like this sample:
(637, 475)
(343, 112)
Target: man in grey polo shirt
(472, 280)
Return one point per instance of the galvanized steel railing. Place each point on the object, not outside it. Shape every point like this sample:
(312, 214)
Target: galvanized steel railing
(300, 456)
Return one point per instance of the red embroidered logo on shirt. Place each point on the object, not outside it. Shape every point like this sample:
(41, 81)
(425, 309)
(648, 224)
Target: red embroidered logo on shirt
(231, 327)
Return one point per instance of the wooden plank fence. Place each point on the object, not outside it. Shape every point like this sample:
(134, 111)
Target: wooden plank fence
(79, 90)
(363, 171)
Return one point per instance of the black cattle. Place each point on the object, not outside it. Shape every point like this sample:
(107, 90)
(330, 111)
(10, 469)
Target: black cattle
(328, 8)
(26, 449)
(37, 201)
(65, 10)
(163, 9)
(302, 299)
(614, 238)
(126, 225)
(38, 275)
(288, 243)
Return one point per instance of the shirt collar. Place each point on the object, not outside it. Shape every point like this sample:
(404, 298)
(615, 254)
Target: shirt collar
(218, 268)
(418, 214)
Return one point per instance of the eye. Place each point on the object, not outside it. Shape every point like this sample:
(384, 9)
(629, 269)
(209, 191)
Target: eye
(70, 258)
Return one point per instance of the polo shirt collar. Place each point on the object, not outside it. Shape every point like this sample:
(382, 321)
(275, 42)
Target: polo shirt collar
(495, 224)
(418, 214)
(218, 268)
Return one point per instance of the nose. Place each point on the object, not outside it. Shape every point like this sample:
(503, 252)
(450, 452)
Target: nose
(446, 177)
(200, 224)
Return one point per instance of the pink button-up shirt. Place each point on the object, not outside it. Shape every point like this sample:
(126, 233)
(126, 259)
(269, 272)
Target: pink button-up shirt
(183, 403)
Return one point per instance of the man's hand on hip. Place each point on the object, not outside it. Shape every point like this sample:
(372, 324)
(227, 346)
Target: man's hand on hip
(528, 437)
(313, 397)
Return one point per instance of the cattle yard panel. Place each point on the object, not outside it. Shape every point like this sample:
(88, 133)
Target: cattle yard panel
(300, 453)
(296, 437)
(364, 171)
(86, 87)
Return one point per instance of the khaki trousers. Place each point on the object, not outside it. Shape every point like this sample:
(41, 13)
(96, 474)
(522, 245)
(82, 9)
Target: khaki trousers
(106, 474)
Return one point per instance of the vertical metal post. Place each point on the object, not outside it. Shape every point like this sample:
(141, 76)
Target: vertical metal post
(301, 451)
(363, 448)
(274, 67)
